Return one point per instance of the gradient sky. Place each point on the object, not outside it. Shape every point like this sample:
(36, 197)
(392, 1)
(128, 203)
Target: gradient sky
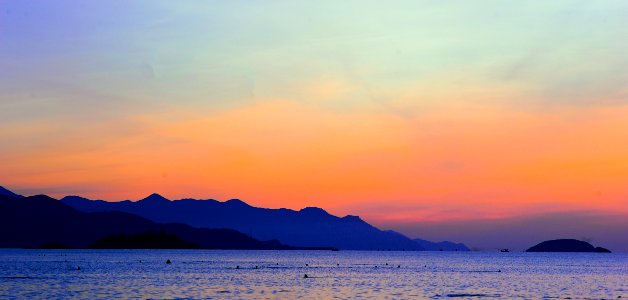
(415, 115)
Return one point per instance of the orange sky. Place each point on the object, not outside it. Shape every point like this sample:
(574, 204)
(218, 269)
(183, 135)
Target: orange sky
(399, 111)
(494, 162)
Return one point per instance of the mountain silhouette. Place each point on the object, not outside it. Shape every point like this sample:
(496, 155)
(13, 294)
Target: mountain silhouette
(308, 227)
(155, 198)
(5, 192)
(146, 240)
(566, 245)
(442, 246)
(41, 221)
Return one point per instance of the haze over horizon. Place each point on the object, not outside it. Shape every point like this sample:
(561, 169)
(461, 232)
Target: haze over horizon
(486, 123)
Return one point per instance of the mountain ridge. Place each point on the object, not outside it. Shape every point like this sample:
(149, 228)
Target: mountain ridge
(442, 246)
(307, 227)
(6, 192)
(42, 221)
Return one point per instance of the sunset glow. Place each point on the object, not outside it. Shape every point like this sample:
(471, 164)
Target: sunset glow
(401, 113)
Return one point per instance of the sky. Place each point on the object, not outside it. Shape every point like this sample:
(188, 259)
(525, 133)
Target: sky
(440, 119)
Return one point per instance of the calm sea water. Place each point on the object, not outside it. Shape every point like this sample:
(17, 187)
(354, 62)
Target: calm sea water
(200, 274)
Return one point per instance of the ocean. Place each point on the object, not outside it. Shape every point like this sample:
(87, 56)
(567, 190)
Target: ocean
(217, 274)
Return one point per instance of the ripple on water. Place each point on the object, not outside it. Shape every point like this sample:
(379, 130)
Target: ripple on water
(473, 295)
(213, 274)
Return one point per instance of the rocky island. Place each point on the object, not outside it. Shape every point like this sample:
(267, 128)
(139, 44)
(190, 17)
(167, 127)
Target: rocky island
(566, 245)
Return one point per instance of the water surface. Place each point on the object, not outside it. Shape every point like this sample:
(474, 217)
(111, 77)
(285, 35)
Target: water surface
(203, 274)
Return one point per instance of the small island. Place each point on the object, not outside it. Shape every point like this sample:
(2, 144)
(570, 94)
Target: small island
(566, 245)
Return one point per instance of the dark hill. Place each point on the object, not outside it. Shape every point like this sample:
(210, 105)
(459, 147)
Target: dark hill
(43, 221)
(5, 192)
(308, 227)
(442, 246)
(146, 240)
(565, 245)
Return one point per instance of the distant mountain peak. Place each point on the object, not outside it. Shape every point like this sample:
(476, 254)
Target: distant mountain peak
(310, 226)
(441, 246)
(74, 197)
(352, 218)
(6, 192)
(314, 210)
(237, 202)
(155, 198)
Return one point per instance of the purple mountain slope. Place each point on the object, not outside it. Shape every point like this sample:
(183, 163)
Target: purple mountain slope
(308, 227)
(41, 221)
(442, 246)
(5, 192)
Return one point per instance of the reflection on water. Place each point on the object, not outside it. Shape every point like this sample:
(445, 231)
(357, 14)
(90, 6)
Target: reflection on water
(199, 274)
